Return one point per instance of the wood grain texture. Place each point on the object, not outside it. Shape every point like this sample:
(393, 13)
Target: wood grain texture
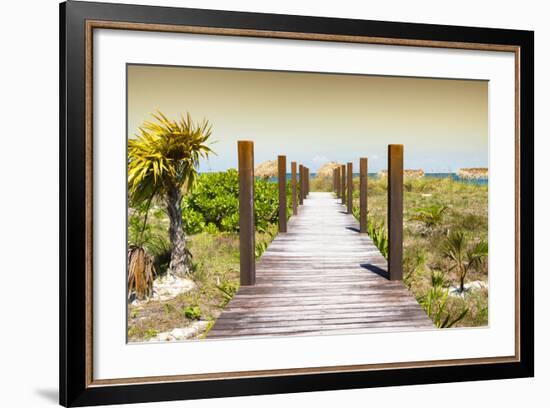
(337, 170)
(302, 183)
(343, 183)
(350, 188)
(321, 277)
(363, 187)
(247, 240)
(281, 175)
(395, 211)
(294, 185)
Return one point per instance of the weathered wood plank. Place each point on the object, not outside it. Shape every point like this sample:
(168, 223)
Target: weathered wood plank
(321, 277)
(319, 329)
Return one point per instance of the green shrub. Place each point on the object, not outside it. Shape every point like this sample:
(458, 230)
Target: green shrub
(150, 333)
(228, 290)
(266, 204)
(211, 228)
(215, 196)
(434, 303)
(414, 265)
(379, 235)
(464, 254)
(376, 231)
(431, 216)
(193, 221)
(214, 202)
(230, 223)
(192, 312)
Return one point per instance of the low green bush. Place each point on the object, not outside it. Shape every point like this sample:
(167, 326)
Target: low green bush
(193, 221)
(192, 312)
(213, 205)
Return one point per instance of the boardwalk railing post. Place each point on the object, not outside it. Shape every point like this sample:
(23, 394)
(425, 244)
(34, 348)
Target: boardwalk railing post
(338, 193)
(334, 180)
(343, 182)
(281, 168)
(363, 187)
(307, 181)
(350, 188)
(287, 282)
(294, 188)
(303, 183)
(301, 168)
(395, 212)
(246, 212)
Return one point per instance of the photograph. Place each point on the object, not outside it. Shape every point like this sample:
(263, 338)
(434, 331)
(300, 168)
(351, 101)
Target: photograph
(257, 203)
(267, 203)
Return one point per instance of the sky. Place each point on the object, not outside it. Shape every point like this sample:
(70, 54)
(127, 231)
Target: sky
(313, 118)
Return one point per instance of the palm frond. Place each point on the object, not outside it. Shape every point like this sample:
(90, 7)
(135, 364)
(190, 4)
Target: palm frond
(166, 152)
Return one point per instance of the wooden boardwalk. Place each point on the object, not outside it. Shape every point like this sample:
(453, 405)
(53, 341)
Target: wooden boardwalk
(321, 277)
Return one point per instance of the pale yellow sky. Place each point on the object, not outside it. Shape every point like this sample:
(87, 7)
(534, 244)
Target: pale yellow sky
(314, 118)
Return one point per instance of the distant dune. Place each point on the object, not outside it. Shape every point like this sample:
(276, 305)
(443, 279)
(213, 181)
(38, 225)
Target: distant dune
(409, 173)
(473, 173)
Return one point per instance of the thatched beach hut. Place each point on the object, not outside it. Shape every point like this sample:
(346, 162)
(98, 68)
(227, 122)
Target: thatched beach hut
(266, 170)
(408, 173)
(325, 171)
(473, 173)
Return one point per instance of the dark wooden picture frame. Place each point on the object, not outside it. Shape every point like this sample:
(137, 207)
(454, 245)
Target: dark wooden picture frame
(77, 22)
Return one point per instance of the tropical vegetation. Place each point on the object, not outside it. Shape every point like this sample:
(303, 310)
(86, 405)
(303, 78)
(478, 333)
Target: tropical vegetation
(199, 222)
(445, 244)
(162, 163)
(185, 223)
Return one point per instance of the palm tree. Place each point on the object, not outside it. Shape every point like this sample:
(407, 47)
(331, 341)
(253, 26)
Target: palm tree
(162, 162)
(463, 256)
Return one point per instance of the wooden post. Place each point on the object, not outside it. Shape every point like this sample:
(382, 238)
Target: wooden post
(395, 212)
(281, 167)
(343, 182)
(247, 242)
(294, 188)
(334, 180)
(338, 193)
(304, 182)
(363, 186)
(349, 194)
(307, 181)
(301, 168)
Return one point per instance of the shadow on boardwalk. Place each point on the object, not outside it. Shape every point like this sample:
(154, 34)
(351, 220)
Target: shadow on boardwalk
(321, 277)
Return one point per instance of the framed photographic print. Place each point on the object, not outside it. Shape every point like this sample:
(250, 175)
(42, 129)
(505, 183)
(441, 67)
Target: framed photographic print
(256, 203)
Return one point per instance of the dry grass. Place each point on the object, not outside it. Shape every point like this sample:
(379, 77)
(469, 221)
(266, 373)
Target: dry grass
(216, 273)
(216, 255)
(320, 183)
(467, 211)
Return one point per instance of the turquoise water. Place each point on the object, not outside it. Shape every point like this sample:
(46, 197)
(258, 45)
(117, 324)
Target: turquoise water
(453, 176)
